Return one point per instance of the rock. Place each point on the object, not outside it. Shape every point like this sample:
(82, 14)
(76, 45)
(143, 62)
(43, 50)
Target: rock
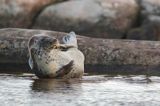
(149, 30)
(149, 21)
(101, 55)
(20, 13)
(150, 7)
(94, 18)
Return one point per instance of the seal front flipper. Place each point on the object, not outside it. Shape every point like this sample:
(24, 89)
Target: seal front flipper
(70, 39)
(65, 70)
(30, 61)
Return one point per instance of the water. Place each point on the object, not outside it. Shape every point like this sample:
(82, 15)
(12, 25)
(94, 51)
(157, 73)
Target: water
(89, 91)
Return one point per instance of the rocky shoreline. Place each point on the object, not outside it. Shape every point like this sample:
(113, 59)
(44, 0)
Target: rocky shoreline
(117, 19)
(109, 29)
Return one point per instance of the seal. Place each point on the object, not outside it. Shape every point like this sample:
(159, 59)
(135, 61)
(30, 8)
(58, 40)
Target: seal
(50, 59)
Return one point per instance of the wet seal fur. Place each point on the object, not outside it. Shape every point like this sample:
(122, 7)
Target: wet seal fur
(50, 59)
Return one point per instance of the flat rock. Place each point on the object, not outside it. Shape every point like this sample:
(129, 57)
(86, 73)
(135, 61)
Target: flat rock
(102, 55)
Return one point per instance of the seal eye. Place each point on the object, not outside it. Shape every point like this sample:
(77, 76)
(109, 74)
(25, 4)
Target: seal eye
(64, 48)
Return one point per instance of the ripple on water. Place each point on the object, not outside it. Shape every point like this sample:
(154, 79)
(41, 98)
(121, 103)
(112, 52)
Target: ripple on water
(91, 90)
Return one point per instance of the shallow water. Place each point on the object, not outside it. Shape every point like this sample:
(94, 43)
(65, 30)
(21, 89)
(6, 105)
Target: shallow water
(89, 91)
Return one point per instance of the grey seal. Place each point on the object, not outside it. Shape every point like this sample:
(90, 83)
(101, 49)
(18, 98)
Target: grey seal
(50, 59)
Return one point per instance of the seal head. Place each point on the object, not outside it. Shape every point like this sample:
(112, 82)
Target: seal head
(40, 42)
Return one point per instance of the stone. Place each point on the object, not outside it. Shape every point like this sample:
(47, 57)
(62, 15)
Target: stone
(150, 7)
(102, 56)
(94, 18)
(149, 22)
(20, 13)
(149, 30)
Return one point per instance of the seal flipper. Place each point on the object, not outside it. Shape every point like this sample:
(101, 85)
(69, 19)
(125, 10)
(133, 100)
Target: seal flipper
(30, 61)
(65, 70)
(70, 39)
(36, 70)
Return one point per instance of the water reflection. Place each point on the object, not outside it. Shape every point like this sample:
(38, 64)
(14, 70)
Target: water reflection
(55, 85)
(55, 92)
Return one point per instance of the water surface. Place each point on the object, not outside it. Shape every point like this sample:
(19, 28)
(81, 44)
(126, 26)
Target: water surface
(89, 91)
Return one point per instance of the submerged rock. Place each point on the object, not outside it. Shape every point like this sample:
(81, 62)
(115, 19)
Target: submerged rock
(94, 18)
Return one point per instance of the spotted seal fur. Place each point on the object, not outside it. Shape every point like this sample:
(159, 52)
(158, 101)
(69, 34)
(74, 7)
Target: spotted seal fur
(50, 59)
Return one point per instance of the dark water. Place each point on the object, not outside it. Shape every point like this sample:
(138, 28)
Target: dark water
(89, 91)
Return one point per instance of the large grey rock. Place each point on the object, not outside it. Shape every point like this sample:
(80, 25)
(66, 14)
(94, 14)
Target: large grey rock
(149, 21)
(20, 13)
(96, 18)
(150, 7)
